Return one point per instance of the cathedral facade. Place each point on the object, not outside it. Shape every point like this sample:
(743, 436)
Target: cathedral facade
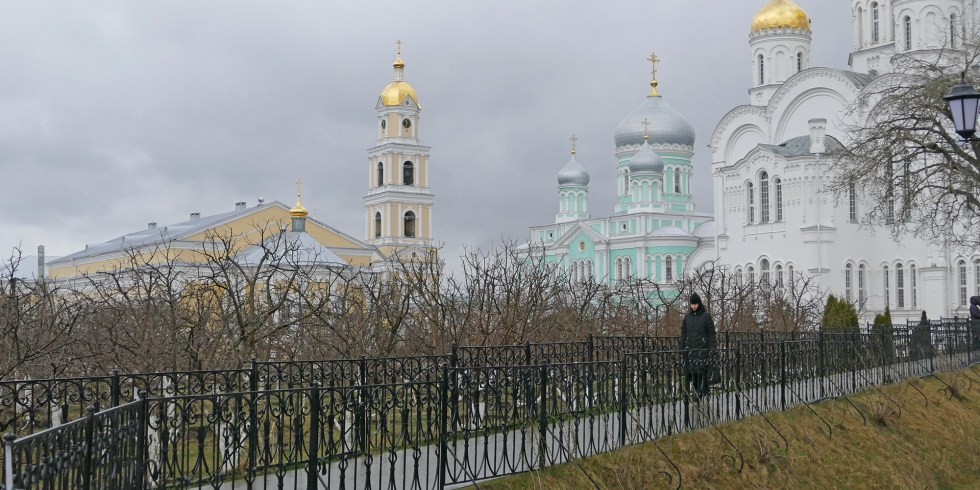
(774, 215)
(654, 231)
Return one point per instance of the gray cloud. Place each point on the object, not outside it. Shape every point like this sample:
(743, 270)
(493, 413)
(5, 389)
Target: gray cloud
(116, 114)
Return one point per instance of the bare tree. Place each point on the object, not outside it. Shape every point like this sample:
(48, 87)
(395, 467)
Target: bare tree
(904, 156)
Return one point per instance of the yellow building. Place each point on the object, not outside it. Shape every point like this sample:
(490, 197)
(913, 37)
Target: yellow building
(398, 212)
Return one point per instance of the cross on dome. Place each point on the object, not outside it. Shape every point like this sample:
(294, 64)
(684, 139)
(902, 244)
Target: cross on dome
(574, 140)
(646, 129)
(298, 210)
(653, 59)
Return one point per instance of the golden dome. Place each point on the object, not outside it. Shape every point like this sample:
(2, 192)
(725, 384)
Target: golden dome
(780, 13)
(298, 210)
(396, 91)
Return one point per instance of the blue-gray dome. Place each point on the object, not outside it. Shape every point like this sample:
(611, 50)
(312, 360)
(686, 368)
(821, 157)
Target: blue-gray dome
(646, 161)
(667, 125)
(573, 174)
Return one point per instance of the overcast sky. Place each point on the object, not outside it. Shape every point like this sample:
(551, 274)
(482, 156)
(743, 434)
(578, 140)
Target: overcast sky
(115, 114)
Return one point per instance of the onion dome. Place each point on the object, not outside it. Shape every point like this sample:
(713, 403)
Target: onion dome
(667, 125)
(780, 14)
(398, 90)
(573, 174)
(298, 210)
(646, 161)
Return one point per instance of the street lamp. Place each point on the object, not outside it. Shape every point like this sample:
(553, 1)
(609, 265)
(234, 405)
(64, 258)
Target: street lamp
(964, 100)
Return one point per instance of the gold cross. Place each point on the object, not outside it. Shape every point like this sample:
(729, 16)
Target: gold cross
(574, 139)
(653, 60)
(646, 127)
(299, 188)
(399, 43)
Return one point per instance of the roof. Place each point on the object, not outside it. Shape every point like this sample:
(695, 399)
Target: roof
(302, 249)
(178, 231)
(800, 146)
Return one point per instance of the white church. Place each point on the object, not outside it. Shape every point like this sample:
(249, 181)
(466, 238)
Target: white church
(772, 215)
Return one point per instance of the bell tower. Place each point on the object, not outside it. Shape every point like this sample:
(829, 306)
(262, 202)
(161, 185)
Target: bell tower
(398, 205)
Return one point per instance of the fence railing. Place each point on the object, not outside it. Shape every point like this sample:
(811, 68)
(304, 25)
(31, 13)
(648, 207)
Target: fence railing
(428, 422)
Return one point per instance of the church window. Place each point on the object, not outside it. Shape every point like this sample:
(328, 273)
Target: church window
(852, 199)
(669, 269)
(738, 276)
(778, 184)
(764, 197)
(886, 292)
(799, 62)
(377, 225)
(762, 70)
(750, 272)
(626, 268)
(750, 203)
(860, 25)
(588, 270)
(789, 274)
(907, 26)
(406, 123)
(677, 181)
(384, 124)
(848, 271)
(410, 224)
(764, 271)
(913, 286)
(976, 274)
(875, 23)
(779, 276)
(381, 174)
(952, 30)
(862, 272)
(900, 285)
(408, 173)
(962, 270)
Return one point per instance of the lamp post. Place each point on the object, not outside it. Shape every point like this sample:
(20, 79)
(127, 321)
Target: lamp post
(964, 100)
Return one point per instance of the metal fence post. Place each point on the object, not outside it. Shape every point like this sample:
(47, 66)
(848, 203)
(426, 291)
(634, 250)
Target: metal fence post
(87, 451)
(444, 424)
(114, 389)
(454, 356)
(623, 402)
(139, 476)
(738, 383)
(782, 375)
(527, 353)
(314, 449)
(821, 362)
(8, 460)
(543, 418)
(855, 336)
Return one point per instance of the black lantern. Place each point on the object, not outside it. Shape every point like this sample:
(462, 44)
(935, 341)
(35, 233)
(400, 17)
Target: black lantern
(964, 100)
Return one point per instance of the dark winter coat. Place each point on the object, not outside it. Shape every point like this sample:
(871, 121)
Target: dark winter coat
(975, 308)
(698, 340)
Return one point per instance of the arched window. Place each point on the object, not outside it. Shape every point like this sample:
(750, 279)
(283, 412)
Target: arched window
(410, 224)
(799, 62)
(886, 291)
(952, 30)
(862, 273)
(750, 272)
(377, 225)
(778, 184)
(779, 276)
(848, 271)
(914, 283)
(789, 274)
(764, 271)
(381, 174)
(900, 285)
(627, 270)
(962, 270)
(762, 70)
(907, 31)
(738, 276)
(677, 181)
(749, 203)
(976, 274)
(875, 23)
(852, 202)
(588, 270)
(408, 173)
(669, 269)
(764, 197)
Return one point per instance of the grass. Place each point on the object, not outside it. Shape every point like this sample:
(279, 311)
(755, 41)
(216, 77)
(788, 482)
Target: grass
(906, 443)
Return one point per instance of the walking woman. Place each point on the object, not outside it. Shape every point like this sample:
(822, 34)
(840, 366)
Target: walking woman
(698, 344)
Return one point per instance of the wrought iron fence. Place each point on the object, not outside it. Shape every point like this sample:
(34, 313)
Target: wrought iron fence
(428, 422)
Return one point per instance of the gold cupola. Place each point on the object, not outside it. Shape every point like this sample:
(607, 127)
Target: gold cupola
(298, 210)
(780, 14)
(398, 90)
